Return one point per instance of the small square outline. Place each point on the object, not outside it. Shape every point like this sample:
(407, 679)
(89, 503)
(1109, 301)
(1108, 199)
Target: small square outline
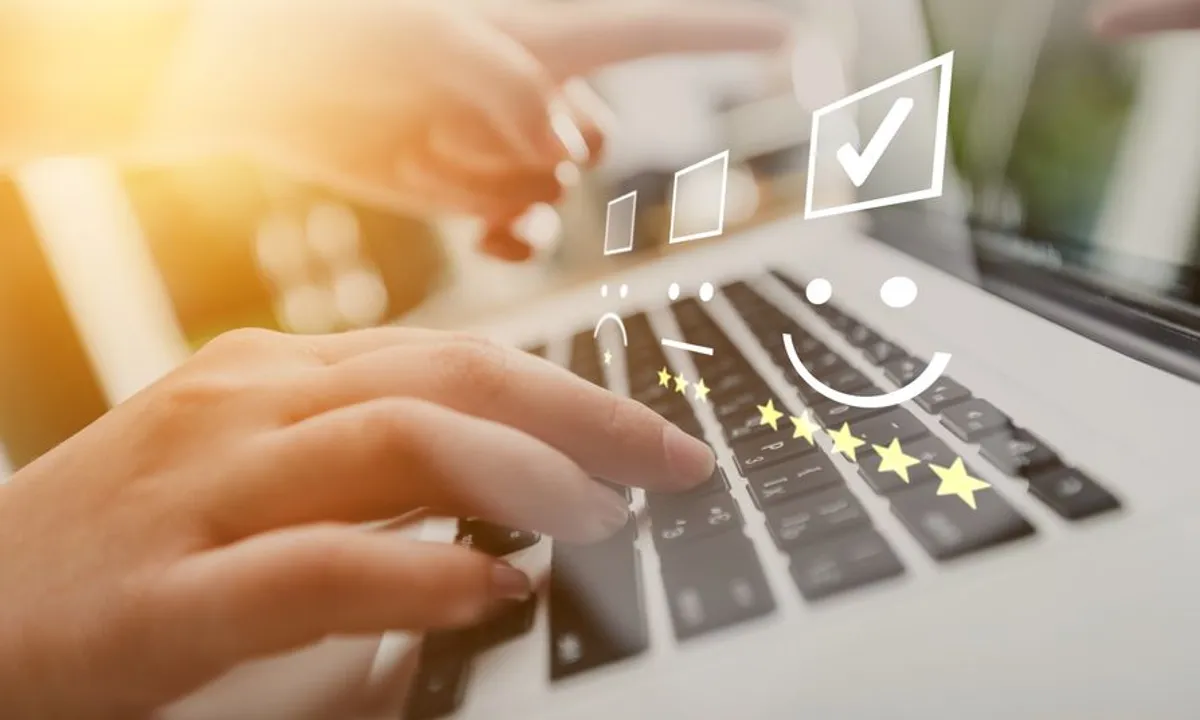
(724, 156)
(942, 127)
(632, 222)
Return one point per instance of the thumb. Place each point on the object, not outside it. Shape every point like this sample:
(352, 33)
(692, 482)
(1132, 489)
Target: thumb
(1132, 17)
(286, 589)
(577, 38)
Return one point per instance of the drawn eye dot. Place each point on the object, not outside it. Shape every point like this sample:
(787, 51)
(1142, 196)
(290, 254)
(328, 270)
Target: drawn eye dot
(706, 292)
(819, 291)
(673, 291)
(624, 291)
(603, 291)
(898, 292)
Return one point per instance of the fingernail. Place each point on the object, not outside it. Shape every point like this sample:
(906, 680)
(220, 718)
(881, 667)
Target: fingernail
(608, 514)
(509, 583)
(690, 461)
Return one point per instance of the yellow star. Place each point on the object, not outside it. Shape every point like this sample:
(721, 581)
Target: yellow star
(664, 378)
(894, 460)
(845, 443)
(956, 481)
(680, 383)
(770, 416)
(804, 428)
(607, 358)
(701, 390)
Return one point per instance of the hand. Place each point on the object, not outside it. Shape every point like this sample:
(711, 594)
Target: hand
(209, 519)
(425, 105)
(1123, 18)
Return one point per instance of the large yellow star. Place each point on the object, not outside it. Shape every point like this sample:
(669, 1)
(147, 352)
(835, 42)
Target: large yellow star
(607, 358)
(893, 459)
(804, 427)
(845, 443)
(769, 415)
(701, 390)
(664, 377)
(956, 481)
(681, 383)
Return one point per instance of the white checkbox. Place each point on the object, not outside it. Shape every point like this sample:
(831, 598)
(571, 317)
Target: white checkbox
(698, 199)
(856, 164)
(619, 224)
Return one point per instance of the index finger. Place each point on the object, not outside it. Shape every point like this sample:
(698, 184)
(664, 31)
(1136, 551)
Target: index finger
(609, 436)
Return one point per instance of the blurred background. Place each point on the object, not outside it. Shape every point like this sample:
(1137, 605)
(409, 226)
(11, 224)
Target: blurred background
(110, 276)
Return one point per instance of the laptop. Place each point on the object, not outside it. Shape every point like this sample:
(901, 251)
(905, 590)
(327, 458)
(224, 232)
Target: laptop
(806, 580)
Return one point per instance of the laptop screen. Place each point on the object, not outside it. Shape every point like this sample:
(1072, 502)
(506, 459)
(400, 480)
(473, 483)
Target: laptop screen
(1058, 138)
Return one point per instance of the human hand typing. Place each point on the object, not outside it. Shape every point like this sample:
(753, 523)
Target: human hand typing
(211, 518)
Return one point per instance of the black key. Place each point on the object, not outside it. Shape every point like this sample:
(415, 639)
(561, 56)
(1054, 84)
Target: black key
(832, 414)
(764, 450)
(748, 424)
(595, 605)
(903, 370)
(881, 351)
(1072, 494)
(653, 392)
(511, 620)
(439, 685)
(740, 403)
(973, 419)
(732, 384)
(826, 365)
(493, 539)
(860, 336)
(809, 518)
(928, 450)
(848, 379)
(714, 484)
(676, 524)
(806, 347)
(895, 424)
(944, 393)
(1017, 452)
(947, 527)
(842, 563)
(713, 584)
(792, 478)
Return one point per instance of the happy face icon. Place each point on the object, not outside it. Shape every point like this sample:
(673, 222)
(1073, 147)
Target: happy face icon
(897, 292)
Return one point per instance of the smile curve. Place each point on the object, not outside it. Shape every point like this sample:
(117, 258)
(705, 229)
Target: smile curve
(620, 323)
(920, 384)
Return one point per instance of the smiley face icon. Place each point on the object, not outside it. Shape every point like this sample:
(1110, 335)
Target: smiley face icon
(897, 292)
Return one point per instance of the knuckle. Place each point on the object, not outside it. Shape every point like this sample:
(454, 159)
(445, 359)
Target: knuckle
(478, 365)
(244, 340)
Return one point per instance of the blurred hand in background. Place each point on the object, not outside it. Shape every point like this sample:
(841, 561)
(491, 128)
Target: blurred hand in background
(1122, 18)
(425, 106)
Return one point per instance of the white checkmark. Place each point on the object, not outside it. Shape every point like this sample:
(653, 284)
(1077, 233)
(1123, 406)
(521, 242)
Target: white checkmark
(859, 167)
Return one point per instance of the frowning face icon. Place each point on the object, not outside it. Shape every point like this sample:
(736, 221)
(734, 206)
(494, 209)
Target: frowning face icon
(897, 292)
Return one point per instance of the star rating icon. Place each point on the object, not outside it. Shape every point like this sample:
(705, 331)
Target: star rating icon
(804, 427)
(607, 358)
(699, 389)
(769, 415)
(956, 481)
(845, 442)
(893, 459)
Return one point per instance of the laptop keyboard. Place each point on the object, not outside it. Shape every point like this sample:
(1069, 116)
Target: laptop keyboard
(710, 570)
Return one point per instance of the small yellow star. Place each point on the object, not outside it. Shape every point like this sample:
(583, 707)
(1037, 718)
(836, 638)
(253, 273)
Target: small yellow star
(770, 416)
(680, 383)
(956, 481)
(804, 427)
(845, 443)
(607, 358)
(894, 460)
(664, 378)
(701, 390)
